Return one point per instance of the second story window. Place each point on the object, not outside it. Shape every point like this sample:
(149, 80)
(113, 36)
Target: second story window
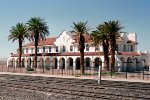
(49, 49)
(37, 49)
(124, 47)
(97, 48)
(87, 47)
(131, 48)
(64, 49)
(56, 48)
(71, 48)
(43, 49)
(31, 50)
(117, 47)
(26, 50)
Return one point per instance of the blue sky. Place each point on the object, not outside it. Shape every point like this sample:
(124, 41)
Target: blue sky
(134, 15)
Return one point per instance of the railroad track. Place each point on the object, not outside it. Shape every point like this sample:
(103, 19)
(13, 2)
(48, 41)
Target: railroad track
(76, 88)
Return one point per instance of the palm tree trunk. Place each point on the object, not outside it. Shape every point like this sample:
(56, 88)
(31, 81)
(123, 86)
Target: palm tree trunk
(35, 56)
(36, 37)
(106, 58)
(81, 46)
(82, 62)
(113, 46)
(20, 52)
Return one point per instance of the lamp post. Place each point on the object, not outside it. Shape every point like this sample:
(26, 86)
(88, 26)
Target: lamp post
(143, 63)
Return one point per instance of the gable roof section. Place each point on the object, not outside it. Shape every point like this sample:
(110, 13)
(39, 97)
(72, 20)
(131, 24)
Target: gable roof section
(87, 37)
(48, 41)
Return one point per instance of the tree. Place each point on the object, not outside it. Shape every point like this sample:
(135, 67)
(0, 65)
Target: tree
(101, 38)
(112, 28)
(38, 30)
(19, 32)
(81, 28)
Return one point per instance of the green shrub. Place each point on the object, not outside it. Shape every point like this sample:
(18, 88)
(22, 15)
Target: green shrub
(30, 69)
(47, 67)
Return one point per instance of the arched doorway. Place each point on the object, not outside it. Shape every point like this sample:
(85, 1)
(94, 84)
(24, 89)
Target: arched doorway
(70, 63)
(23, 63)
(55, 61)
(87, 63)
(62, 63)
(77, 63)
(97, 62)
(47, 64)
(122, 67)
(13, 62)
(17, 62)
(41, 63)
(129, 65)
(29, 62)
(137, 66)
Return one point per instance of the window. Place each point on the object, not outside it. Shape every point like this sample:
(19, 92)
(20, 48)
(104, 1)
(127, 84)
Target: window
(56, 48)
(87, 47)
(124, 47)
(117, 47)
(131, 47)
(97, 48)
(64, 49)
(26, 50)
(71, 48)
(78, 48)
(31, 50)
(43, 49)
(37, 49)
(49, 49)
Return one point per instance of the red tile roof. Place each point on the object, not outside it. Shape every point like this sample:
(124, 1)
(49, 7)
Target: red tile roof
(128, 53)
(48, 41)
(78, 54)
(61, 54)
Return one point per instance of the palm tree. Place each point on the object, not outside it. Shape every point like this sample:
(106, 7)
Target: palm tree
(19, 32)
(101, 38)
(80, 28)
(112, 28)
(38, 30)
